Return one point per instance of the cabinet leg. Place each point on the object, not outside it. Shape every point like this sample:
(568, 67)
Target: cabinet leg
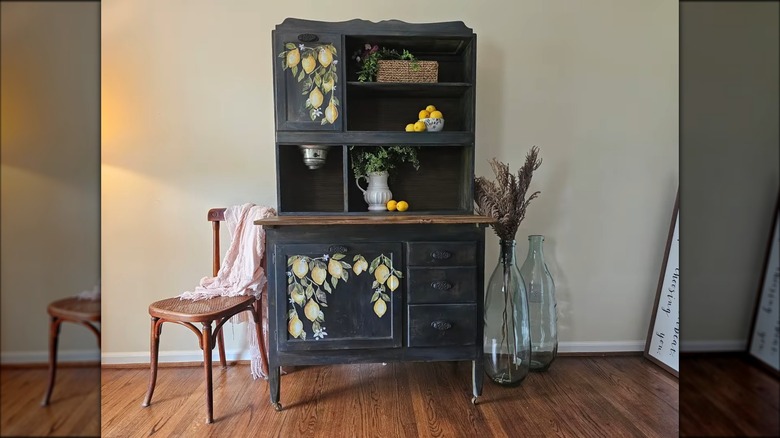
(273, 386)
(477, 373)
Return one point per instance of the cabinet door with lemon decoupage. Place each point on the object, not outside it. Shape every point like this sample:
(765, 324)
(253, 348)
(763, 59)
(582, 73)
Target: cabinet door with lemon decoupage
(339, 296)
(308, 76)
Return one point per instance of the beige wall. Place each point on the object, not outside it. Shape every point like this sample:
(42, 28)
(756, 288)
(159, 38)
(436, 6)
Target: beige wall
(188, 124)
(729, 164)
(50, 172)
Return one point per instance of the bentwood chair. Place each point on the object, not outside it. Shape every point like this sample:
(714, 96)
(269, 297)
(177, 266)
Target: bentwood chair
(203, 312)
(76, 310)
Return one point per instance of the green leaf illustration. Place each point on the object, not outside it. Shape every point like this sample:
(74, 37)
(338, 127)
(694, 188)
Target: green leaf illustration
(283, 54)
(373, 266)
(386, 297)
(291, 260)
(303, 335)
(315, 326)
(309, 292)
(354, 259)
(289, 280)
(324, 121)
(334, 281)
(320, 316)
(345, 274)
(294, 70)
(292, 314)
(338, 256)
(321, 297)
(374, 284)
(375, 297)
(301, 75)
(289, 46)
(327, 287)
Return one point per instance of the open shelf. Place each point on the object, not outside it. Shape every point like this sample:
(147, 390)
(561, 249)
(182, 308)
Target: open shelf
(367, 111)
(305, 190)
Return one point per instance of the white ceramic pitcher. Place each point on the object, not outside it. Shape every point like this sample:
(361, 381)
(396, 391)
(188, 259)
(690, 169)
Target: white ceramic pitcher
(378, 193)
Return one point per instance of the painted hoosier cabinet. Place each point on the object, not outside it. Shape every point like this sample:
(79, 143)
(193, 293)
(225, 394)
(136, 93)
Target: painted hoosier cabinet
(346, 285)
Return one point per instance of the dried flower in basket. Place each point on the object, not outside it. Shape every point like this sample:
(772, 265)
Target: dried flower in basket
(504, 199)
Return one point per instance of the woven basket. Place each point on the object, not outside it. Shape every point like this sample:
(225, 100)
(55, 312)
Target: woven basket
(402, 71)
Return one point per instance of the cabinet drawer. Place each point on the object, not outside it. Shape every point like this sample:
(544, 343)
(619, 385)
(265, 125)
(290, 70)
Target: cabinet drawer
(442, 285)
(442, 325)
(441, 253)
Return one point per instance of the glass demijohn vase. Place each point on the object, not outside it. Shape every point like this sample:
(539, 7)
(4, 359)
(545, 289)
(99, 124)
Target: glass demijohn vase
(541, 305)
(507, 340)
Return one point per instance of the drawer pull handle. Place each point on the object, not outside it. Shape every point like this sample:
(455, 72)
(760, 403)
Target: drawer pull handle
(337, 248)
(441, 285)
(441, 255)
(441, 325)
(308, 37)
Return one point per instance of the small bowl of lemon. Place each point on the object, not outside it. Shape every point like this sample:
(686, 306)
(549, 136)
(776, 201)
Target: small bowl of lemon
(429, 120)
(432, 124)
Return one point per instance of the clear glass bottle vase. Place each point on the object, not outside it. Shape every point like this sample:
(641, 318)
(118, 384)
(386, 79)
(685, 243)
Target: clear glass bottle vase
(541, 305)
(507, 339)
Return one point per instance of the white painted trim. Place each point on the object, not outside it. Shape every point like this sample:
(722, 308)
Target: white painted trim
(169, 356)
(712, 346)
(32, 357)
(600, 347)
(197, 355)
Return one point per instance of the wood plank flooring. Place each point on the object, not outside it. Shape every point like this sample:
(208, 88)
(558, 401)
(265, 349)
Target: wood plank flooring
(727, 395)
(578, 396)
(74, 409)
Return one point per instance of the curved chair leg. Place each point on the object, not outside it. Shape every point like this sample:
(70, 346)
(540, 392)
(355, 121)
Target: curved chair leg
(207, 350)
(221, 346)
(153, 356)
(54, 334)
(258, 316)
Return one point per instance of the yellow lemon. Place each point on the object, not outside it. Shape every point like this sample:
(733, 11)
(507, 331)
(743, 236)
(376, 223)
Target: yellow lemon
(380, 307)
(325, 57)
(436, 115)
(360, 266)
(295, 327)
(381, 274)
(293, 58)
(318, 275)
(331, 112)
(300, 268)
(316, 98)
(430, 108)
(308, 64)
(419, 126)
(402, 206)
(410, 127)
(424, 114)
(297, 296)
(391, 205)
(334, 267)
(312, 310)
(392, 282)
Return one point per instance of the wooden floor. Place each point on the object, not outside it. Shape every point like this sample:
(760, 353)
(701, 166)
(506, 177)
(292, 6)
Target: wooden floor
(578, 396)
(727, 395)
(74, 409)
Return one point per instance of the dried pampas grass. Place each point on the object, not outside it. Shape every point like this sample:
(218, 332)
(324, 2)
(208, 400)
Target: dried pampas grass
(504, 199)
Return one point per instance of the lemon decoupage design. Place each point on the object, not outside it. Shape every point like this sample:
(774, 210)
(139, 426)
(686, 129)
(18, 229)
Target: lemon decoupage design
(310, 280)
(314, 68)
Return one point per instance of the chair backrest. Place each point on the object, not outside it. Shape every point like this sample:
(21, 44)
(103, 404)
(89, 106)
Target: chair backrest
(215, 216)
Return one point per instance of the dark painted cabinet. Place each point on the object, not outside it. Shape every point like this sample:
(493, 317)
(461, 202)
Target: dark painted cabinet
(346, 286)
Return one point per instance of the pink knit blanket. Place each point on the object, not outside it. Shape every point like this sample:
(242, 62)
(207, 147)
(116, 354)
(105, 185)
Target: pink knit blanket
(241, 271)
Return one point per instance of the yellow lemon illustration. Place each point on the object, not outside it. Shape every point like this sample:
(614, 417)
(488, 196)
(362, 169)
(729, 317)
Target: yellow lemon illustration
(419, 126)
(381, 274)
(316, 98)
(410, 127)
(380, 307)
(325, 57)
(312, 310)
(297, 296)
(293, 58)
(436, 115)
(402, 206)
(430, 108)
(359, 266)
(334, 267)
(295, 327)
(331, 112)
(392, 282)
(318, 274)
(327, 85)
(300, 268)
(424, 114)
(391, 205)
(308, 64)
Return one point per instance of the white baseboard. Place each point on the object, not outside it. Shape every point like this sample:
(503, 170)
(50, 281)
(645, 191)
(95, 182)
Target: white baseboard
(32, 357)
(712, 346)
(197, 355)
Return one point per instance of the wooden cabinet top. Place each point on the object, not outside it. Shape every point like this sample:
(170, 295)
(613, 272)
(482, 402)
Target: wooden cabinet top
(375, 219)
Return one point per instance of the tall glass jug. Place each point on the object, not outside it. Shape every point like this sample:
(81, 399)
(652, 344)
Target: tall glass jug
(541, 305)
(507, 340)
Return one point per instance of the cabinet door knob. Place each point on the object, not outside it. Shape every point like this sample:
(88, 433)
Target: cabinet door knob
(441, 325)
(441, 285)
(337, 248)
(441, 255)
(308, 37)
